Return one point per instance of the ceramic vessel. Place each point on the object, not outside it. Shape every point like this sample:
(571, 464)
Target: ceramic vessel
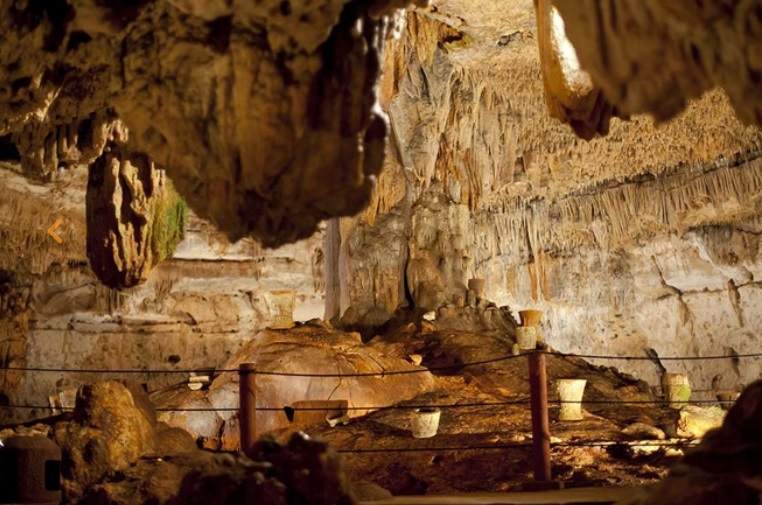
(526, 337)
(281, 306)
(530, 317)
(425, 422)
(677, 389)
(727, 398)
(477, 286)
(570, 392)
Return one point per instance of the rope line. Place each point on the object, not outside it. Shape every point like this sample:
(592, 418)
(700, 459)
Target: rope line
(212, 371)
(661, 358)
(594, 443)
(387, 407)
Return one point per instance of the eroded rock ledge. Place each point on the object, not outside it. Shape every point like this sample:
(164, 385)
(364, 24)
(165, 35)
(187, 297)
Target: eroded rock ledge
(264, 114)
(654, 56)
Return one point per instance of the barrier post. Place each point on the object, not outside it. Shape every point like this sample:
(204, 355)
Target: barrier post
(538, 387)
(247, 413)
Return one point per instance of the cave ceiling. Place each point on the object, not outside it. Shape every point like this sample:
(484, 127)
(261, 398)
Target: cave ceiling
(265, 115)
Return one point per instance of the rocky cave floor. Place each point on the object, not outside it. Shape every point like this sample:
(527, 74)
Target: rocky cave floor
(406, 466)
(379, 448)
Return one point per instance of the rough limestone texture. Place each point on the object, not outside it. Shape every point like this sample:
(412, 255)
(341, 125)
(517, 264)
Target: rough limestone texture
(570, 93)
(312, 348)
(724, 468)
(108, 433)
(264, 114)
(135, 218)
(114, 452)
(301, 472)
(193, 313)
(696, 421)
(655, 56)
(647, 238)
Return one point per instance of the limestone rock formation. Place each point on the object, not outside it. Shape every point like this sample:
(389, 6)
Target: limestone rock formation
(725, 467)
(14, 326)
(107, 433)
(655, 56)
(617, 239)
(264, 115)
(135, 218)
(115, 453)
(189, 314)
(569, 90)
(302, 472)
(305, 349)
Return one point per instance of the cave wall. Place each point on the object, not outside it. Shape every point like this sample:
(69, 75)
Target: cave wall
(645, 238)
(194, 312)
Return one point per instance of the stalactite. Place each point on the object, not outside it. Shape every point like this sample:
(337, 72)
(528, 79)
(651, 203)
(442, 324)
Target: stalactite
(135, 219)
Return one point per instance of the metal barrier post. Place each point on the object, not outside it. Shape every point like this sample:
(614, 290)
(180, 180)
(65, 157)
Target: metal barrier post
(538, 386)
(247, 414)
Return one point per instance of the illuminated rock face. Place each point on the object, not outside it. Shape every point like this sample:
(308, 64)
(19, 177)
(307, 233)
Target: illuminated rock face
(135, 218)
(644, 238)
(655, 56)
(264, 114)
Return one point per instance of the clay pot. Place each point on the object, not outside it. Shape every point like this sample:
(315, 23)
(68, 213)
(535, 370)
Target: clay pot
(281, 306)
(676, 389)
(570, 392)
(727, 398)
(526, 337)
(530, 317)
(477, 286)
(425, 422)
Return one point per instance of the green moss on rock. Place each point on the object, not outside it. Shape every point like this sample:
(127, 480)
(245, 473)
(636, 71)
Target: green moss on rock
(169, 215)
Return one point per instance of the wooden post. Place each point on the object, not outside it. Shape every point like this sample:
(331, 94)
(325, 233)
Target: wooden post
(247, 413)
(538, 387)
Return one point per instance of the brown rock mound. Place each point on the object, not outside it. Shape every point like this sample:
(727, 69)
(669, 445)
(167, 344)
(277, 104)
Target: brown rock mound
(306, 349)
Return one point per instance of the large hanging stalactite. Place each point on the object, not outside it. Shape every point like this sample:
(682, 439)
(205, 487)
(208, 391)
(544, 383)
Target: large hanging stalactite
(135, 218)
(655, 56)
(569, 92)
(263, 113)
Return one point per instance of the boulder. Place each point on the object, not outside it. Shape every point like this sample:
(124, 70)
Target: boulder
(107, 433)
(726, 467)
(305, 349)
(696, 421)
(643, 431)
(304, 472)
(150, 480)
(113, 428)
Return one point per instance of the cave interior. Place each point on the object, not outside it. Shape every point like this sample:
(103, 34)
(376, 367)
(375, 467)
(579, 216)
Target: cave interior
(338, 251)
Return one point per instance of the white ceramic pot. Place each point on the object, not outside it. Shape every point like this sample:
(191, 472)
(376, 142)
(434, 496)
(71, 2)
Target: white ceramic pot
(281, 306)
(677, 389)
(526, 337)
(425, 422)
(570, 392)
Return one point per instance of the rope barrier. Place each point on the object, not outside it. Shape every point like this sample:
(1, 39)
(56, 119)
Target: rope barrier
(683, 442)
(661, 358)
(457, 366)
(386, 407)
